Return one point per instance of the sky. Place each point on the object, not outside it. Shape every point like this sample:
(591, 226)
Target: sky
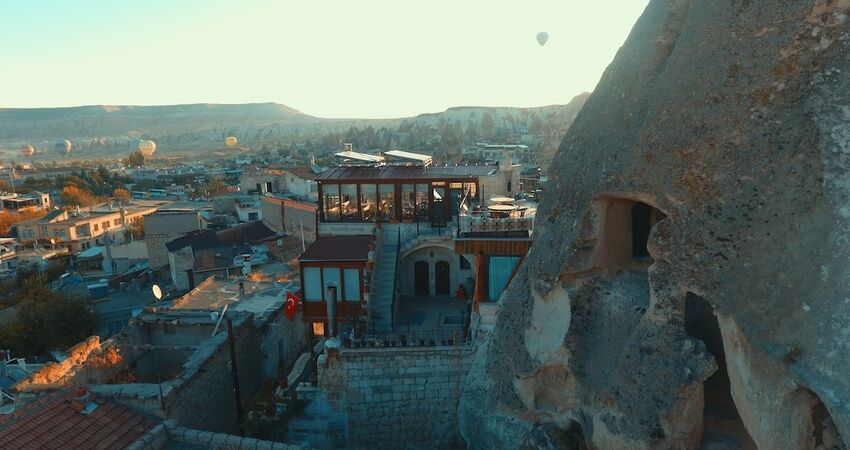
(327, 58)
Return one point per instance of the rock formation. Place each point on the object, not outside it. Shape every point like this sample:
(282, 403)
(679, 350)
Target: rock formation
(688, 282)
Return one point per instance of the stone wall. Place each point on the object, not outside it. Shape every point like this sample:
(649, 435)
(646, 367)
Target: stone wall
(397, 397)
(203, 397)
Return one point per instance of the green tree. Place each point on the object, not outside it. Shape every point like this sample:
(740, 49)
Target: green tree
(47, 320)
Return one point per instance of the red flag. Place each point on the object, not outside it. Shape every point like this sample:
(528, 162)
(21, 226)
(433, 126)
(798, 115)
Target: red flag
(291, 305)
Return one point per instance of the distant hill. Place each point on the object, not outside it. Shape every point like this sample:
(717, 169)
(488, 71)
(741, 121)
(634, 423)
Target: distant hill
(104, 131)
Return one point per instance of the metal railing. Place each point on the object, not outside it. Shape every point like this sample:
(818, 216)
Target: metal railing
(395, 276)
(413, 339)
(481, 223)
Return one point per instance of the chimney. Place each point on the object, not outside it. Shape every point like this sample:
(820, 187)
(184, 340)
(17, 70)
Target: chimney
(348, 147)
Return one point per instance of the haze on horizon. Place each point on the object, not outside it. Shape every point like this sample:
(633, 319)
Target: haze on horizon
(328, 58)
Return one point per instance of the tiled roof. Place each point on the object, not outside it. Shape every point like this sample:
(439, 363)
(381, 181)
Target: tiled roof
(338, 248)
(59, 420)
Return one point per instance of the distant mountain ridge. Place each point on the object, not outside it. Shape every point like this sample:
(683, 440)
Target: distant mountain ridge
(98, 131)
(95, 121)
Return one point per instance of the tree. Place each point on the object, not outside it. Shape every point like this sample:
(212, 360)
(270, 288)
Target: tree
(121, 194)
(135, 159)
(47, 320)
(136, 230)
(8, 218)
(75, 196)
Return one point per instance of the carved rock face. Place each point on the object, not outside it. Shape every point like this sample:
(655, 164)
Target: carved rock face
(713, 159)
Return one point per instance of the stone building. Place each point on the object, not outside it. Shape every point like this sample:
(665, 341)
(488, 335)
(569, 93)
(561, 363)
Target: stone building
(174, 362)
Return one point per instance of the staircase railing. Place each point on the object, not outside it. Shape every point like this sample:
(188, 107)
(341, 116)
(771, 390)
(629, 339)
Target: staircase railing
(395, 277)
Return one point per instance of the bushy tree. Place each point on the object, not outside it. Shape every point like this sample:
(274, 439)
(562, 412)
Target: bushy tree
(75, 196)
(47, 321)
(122, 194)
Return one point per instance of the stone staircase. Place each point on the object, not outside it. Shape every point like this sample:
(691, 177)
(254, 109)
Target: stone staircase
(383, 280)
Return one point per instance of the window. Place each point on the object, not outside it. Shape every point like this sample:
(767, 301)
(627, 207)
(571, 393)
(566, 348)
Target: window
(349, 203)
(105, 225)
(351, 277)
(96, 227)
(330, 277)
(408, 201)
(386, 202)
(368, 201)
(422, 202)
(116, 222)
(252, 216)
(509, 186)
(330, 202)
(312, 284)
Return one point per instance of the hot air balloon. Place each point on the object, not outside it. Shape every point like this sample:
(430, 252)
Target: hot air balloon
(63, 146)
(230, 141)
(27, 150)
(542, 38)
(147, 148)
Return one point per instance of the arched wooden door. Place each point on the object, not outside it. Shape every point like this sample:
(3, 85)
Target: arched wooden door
(420, 278)
(442, 282)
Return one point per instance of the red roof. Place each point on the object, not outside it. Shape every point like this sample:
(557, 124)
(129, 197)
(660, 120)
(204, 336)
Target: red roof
(58, 420)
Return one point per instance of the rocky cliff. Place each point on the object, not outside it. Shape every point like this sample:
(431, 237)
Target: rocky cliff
(688, 283)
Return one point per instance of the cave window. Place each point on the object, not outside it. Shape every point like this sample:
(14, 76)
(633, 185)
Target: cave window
(721, 420)
(824, 431)
(641, 226)
(623, 231)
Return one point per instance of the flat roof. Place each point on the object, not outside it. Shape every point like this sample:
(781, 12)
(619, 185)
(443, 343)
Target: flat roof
(338, 248)
(425, 159)
(356, 156)
(407, 172)
(212, 294)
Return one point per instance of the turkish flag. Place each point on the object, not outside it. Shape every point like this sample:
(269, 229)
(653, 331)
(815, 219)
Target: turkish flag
(291, 305)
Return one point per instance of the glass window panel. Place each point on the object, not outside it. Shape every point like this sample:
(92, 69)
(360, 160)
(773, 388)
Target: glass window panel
(351, 277)
(349, 203)
(330, 202)
(408, 201)
(422, 202)
(312, 284)
(331, 278)
(369, 201)
(386, 204)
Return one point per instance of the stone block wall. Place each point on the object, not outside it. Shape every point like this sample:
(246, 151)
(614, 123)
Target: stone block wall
(204, 399)
(397, 397)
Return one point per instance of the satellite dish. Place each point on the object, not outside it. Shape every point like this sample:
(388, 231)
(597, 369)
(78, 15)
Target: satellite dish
(542, 38)
(157, 291)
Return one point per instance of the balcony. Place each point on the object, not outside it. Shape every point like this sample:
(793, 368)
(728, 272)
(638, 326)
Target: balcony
(504, 222)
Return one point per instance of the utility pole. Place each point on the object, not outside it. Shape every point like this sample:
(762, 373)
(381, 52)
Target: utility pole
(235, 372)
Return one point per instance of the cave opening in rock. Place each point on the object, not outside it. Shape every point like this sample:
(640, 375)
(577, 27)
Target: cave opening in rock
(824, 431)
(641, 226)
(624, 231)
(723, 427)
